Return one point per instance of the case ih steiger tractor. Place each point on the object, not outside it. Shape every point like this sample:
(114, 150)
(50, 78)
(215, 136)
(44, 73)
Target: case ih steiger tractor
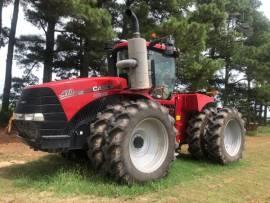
(131, 122)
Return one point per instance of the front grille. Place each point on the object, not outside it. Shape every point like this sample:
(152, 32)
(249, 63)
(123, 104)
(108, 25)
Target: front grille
(38, 100)
(41, 100)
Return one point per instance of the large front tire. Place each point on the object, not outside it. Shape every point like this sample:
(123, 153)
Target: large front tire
(226, 136)
(99, 128)
(141, 143)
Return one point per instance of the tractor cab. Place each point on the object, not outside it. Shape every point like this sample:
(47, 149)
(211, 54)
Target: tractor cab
(161, 59)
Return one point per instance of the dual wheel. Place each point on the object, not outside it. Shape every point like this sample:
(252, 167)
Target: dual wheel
(133, 141)
(217, 135)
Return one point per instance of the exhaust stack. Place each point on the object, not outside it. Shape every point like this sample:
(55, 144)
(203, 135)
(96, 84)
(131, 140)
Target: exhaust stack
(135, 23)
(138, 72)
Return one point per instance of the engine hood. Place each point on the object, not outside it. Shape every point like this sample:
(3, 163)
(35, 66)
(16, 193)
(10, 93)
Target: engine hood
(68, 88)
(77, 93)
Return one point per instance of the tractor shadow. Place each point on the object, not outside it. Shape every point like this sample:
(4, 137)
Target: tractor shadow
(54, 174)
(52, 166)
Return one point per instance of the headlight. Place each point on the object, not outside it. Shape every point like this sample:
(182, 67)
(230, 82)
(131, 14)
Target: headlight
(38, 117)
(29, 117)
(18, 116)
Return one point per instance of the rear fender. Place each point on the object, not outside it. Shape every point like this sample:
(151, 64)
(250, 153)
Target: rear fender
(186, 104)
(195, 102)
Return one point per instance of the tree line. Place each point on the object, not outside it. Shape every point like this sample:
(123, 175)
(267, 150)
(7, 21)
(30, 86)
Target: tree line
(224, 44)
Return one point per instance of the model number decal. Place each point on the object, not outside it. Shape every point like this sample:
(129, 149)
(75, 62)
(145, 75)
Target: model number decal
(65, 94)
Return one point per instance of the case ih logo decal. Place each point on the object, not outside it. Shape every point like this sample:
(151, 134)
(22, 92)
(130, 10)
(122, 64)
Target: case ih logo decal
(65, 94)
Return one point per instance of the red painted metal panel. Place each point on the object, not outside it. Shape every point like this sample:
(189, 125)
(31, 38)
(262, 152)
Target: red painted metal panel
(125, 44)
(77, 93)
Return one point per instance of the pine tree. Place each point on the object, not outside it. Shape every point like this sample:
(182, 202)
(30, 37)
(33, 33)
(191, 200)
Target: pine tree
(46, 15)
(3, 30)
(1, 21)
(30, 52)
(82, 44)
(8, 76)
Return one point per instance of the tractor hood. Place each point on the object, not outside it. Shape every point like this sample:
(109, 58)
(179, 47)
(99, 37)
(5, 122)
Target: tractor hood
(75, 87)
(77, 93)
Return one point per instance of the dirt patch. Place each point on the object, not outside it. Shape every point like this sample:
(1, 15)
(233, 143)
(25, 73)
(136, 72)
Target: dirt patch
(9, 163)
(8, 138)
(13, 151)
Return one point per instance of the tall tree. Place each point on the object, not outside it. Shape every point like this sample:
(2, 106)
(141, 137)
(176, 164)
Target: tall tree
(8, 76)
(3, 31)
(82, 45)
(30, 50)
(46, 15)
(1, 20)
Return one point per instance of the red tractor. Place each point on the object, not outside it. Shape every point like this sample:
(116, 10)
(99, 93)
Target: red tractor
(132, 122)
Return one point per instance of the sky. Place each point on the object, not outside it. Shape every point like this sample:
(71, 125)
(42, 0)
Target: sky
(24, 28)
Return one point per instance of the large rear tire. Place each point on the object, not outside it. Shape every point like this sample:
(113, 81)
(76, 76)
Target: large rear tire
(196, 132)
(226, 136)
(141, 143)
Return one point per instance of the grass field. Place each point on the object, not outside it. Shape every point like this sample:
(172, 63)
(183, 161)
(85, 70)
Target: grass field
(49, 177)
(260, 131)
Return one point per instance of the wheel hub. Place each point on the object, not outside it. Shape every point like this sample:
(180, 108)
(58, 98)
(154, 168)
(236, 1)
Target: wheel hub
(138, 142)
(148, 146)
(232, 137)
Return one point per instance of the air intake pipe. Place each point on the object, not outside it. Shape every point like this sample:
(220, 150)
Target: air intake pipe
(137, 64)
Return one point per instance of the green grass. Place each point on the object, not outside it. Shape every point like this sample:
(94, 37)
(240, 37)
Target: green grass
(261, 131)
(53, 174)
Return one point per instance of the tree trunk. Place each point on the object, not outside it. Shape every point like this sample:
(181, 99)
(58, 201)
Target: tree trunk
(255, 110)
(11, 43)
(84, 62)
(49, 52)
(226, 83)
(249, 101)
(265, 114)
(1, 10)
(260, 113)
(124, 33)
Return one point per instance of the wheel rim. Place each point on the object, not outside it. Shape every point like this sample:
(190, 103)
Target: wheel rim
(232, 137)
(148, 145)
